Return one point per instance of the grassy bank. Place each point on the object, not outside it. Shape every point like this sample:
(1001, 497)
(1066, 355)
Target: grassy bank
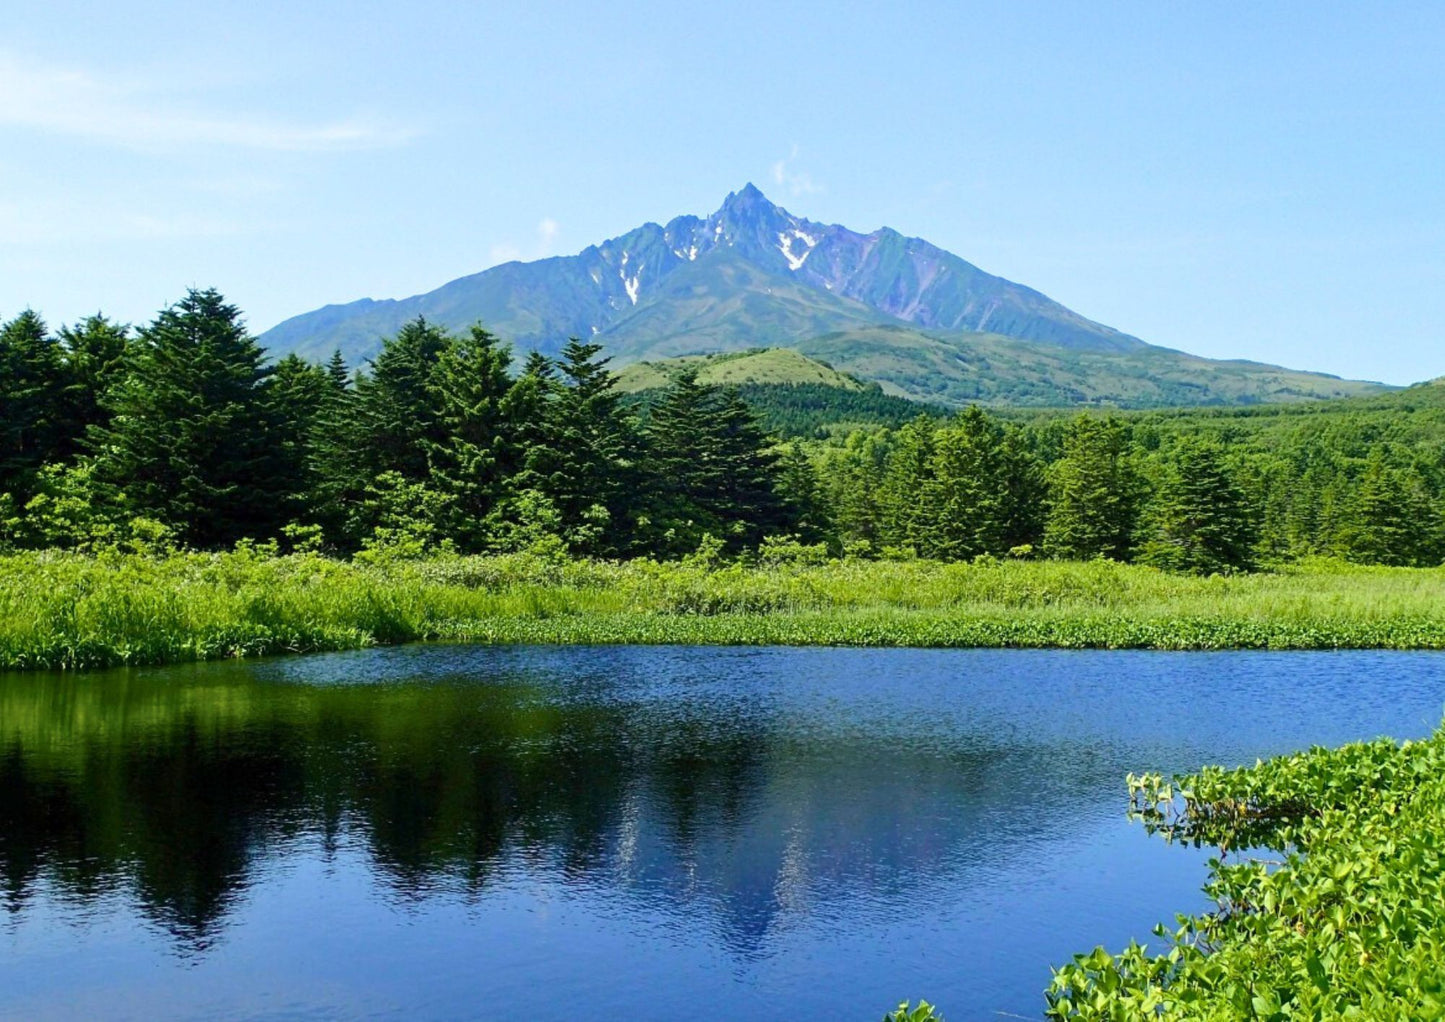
(71, 610)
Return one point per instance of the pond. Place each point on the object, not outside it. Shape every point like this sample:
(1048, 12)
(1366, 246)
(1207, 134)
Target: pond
(449, 832)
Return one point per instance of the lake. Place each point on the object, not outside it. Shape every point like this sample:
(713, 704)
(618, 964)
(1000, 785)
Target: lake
(450, 832)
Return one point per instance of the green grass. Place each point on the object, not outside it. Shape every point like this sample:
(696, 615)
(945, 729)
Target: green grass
(74, 611)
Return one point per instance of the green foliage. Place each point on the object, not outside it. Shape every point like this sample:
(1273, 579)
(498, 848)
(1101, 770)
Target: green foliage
(713, 471)
(1348, 922)
(158, 605)
(407, 519)
(1094, 493)
(1201, 521)
(187, 426)
(924, 1012)
(193, 441)
(581, 458)
(33, 428)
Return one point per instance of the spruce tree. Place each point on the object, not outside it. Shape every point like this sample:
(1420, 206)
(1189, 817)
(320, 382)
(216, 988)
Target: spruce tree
(193, 441)
(397, 413)
(1200, 520)
(967, 494)
(299, 393)
(480, 454)
(1391, 519)
(802, 495)
(1093, 493)
(340, 479)
(581, 460)
(713, 470)
(33, 423)
(94, 352)
(905, 517)
(684, 465)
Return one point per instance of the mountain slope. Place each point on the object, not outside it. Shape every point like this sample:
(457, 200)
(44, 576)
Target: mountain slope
(769, 366)
(956, 368)
(897, 310)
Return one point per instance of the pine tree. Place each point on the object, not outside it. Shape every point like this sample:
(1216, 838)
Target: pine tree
(1200, 520)
(193, 440)
(1093, 493)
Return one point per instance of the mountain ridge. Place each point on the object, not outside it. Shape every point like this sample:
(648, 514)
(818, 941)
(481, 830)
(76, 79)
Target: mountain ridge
(751, 274)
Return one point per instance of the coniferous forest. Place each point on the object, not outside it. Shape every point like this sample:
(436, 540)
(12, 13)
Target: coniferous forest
(182, 429)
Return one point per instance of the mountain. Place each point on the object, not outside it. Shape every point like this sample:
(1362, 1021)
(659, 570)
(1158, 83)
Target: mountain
(921, 321)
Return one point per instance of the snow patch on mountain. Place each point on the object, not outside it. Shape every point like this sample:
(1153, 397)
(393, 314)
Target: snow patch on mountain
(785, 246)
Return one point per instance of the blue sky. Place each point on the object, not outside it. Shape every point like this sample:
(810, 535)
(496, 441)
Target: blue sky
(1238, 180)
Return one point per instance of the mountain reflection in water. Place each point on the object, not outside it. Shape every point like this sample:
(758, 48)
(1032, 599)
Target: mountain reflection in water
(743, 794)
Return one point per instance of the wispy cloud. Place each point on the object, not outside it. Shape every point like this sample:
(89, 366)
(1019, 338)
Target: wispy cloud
(62, 100)
(43, 223)
(797, 182)
(544, 245)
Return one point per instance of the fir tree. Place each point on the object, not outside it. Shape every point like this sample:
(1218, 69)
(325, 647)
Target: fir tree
(94, 352)
(33, 421)
(481, 453)
(193, 439)
(1093, 493)
(1200, 521)
(397, 417)
(581, 458)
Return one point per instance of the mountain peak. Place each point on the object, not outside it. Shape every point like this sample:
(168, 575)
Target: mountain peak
(748, 198)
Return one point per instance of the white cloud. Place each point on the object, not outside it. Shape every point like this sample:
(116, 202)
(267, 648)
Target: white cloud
(545, 244)
(797, 182)
(547, 234)
(67, 101)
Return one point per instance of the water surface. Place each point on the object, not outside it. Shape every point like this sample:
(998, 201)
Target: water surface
(640, 833)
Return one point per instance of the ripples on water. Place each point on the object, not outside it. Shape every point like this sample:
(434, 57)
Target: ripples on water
(459, 832)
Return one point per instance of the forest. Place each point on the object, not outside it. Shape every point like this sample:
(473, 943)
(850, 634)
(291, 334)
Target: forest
(182, 433)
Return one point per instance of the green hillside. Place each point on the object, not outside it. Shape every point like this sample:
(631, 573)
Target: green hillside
(760, 365)
(958, 368)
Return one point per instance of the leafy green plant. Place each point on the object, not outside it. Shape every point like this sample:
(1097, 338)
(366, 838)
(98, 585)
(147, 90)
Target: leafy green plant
(1329, 894)
(922, 1012)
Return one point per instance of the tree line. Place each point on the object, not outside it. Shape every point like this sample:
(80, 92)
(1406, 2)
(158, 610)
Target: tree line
(183, 430)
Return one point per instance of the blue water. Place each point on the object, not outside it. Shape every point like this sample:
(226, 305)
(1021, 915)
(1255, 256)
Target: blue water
(436, 832)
